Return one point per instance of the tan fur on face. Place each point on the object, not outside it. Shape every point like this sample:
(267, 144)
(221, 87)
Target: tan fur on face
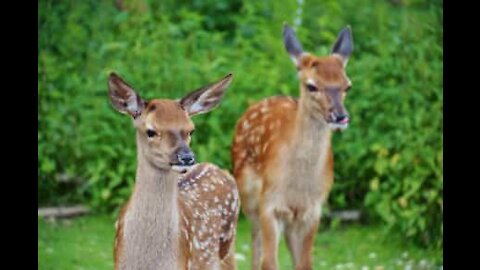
(166, 115)
(325, 72)
(172, 125)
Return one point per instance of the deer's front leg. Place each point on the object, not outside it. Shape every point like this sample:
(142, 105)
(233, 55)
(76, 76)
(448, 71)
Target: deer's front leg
(270, 233)
(300, 241)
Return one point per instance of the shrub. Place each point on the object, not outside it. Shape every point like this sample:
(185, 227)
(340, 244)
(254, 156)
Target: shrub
(389, 163)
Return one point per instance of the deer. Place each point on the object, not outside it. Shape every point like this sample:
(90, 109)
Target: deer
(181, 214)
(282, 153)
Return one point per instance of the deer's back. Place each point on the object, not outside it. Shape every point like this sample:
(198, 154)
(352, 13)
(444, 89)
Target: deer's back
(261, 131)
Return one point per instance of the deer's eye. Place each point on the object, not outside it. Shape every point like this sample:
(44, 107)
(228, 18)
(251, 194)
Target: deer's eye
(311, 87)
(348, 89)
(191, 132)
(151, 133)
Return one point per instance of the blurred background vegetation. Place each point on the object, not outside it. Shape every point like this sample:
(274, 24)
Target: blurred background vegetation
(388, 164)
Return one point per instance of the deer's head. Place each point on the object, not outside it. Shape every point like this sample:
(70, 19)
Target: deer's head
(164, 127)
(323, 81)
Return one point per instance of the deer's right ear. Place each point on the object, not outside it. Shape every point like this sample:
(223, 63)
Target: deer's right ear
(344, 44)
(206, 98)
(123, 97)
(292, 45)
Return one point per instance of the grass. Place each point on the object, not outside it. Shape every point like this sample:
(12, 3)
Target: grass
(86, 243)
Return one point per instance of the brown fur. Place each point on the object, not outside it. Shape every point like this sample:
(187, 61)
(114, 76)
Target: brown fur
(118, 245)
(198, 205)
(212, 219)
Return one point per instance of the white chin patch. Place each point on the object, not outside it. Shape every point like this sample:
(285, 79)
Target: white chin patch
(180, 168)
(336, 127)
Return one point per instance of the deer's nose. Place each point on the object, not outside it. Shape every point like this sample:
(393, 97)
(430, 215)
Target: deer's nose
(342, 118)
(186, 157)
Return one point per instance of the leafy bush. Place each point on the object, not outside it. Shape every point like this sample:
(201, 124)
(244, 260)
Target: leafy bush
(389, 162)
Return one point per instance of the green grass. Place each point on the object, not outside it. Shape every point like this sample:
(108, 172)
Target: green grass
(81, 243)
(86, 243)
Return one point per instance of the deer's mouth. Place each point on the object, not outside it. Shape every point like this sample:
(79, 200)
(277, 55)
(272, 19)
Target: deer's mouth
(338, 126)
(180, 168)
(335, 123)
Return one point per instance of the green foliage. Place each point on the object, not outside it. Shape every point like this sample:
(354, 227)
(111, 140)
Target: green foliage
(389, 162)
(393, 154)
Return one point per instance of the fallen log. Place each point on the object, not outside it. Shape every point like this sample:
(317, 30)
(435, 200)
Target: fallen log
(345, 215)
(62, 212)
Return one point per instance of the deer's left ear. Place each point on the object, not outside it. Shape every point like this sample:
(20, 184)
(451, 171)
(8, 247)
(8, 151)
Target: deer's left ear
(291, 43)
(123, 97)
(206, 98)
(344, 44)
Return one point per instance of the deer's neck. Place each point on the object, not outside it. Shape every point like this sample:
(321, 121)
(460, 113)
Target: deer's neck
(151, 223)
(309, 148)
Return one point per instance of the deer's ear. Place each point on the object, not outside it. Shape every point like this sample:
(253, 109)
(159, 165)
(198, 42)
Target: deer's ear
(344, 44)
(206, 98)
(123, 97)
(292, 45)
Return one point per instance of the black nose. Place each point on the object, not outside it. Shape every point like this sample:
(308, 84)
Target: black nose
(186, 157)
(341, 117)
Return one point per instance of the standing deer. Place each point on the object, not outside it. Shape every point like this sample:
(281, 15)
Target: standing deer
(180, 215)
(282, 155)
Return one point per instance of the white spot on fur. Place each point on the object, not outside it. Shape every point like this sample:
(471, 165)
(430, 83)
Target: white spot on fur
(264, 148)
(196, 244)
(246, 125)
(233, 206)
